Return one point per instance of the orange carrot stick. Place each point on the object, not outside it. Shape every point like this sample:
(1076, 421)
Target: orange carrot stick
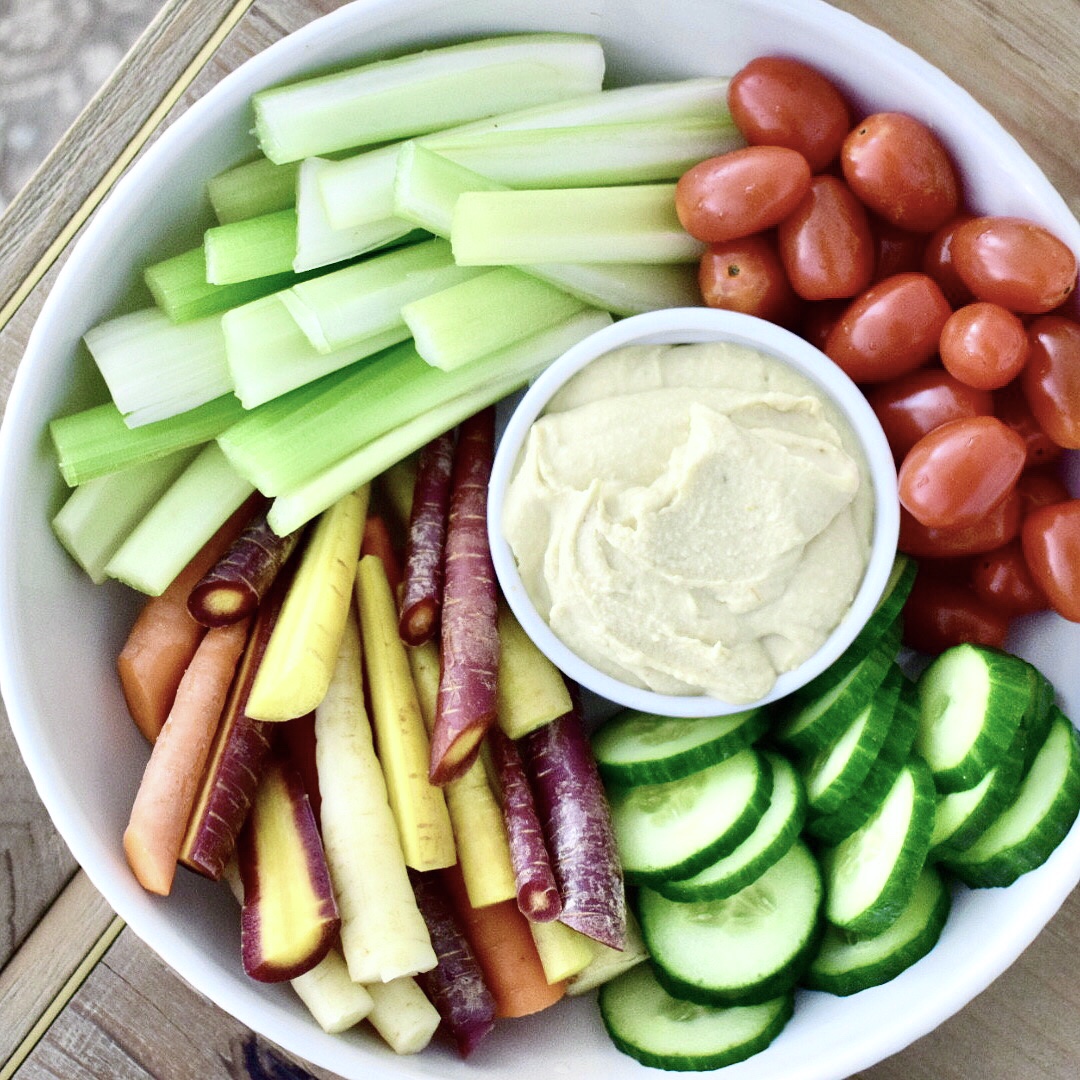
(164, 636)
(504, 948)
(377, 541)
(166, 794)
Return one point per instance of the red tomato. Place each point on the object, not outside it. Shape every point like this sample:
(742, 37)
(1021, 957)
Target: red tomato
(819, 319)
(901, 170)
(940, 613)
(1051, 540)
(1015, 263)
(896, 251)
(747, 275)
(1011, 407)
(825, 242)
(1051, 378)
(889, 329)
(995, 528)
(1040, 487)
(779, 101)
(1001, 578)
(741, 192)
(937, 262)
(983, 345)
(960, 471)
(911, 405)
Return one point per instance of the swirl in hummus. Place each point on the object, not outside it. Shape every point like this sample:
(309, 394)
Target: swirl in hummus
(691, 518)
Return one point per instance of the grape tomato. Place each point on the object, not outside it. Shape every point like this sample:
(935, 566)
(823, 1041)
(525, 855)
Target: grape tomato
(983, 345)
(937, 262)
(1051, 543)
(940, 612)
(1051, 378)
(1012, 408)
(996, 527)
(1040, 487)
(896, 251)
(741, 192)
(901, 170)
(747, 275)
(780, 101)
(1001, 579)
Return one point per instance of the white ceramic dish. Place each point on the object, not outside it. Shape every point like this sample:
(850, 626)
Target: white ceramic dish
(695, 325)
(59, 634)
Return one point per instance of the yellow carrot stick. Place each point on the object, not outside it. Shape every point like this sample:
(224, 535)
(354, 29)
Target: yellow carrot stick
(302, 651)
(333, 999)
(531, 692)
(419, 806)
(479, 831)
(564, 952)
(403, 1015)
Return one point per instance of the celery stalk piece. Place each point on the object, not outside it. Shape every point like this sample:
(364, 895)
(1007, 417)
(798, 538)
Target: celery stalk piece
(364, 299)
(492, 311)
(98, 515)
(190, 511)
(179, 287)
(423, 91)
(96, 441)
(253, 188)
(513, 368)
(253, 247)
(269, 354)
(633, 223)
(427, 185)
(356, 189)
(318, 244)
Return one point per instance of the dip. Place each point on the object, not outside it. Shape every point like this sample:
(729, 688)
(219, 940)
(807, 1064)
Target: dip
(691, 518)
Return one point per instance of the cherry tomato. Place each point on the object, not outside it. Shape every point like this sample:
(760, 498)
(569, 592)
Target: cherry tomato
(779, 101)
(819, 319)
(889, 329)
(1011, 407)
(741, 192)
(940, 613)
(747, 275)
(993, 529)
(1040, 487)
(896, 251)
(1013, 262)
(959, 471)
(1051, 378)
(901, 170)
(910, 406)
(825, 242)
(983, 345)
(937, 262)
(1001, 578)
(1051, 540)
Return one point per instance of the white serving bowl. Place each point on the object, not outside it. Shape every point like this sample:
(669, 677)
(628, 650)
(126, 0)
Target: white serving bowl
(59, 634)
(684, 325)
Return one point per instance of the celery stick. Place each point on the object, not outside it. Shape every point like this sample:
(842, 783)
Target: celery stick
(318, 244)
(423, 91)
(251, 248)
(98, 515)
(96, 441)
(155, 368)
(190, 511)
(514, 367)
(475, 317)
(253, 188)
(356, 189)
(364, 299)
(269, 355)
(179, 287)
(426, 188)
(632, 223)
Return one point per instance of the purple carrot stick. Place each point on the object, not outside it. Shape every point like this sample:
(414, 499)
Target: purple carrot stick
(537, 894)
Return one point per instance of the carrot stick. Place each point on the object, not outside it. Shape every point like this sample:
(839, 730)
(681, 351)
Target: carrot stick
(164, 636)
(377, 541)
(469, 643)
(421, 598)
(505, 950)
(167, 790)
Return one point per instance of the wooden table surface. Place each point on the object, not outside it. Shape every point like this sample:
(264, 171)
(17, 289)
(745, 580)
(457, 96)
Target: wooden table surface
(80, 996)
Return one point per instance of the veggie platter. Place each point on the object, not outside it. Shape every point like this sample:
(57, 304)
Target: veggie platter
(196, 929)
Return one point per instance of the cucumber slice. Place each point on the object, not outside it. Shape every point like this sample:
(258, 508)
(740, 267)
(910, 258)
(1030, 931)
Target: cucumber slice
(645, 1022)
(1037, 718)
(844, 966)
(677, 828)
(1026, 833)
(777, 830)
(808, 726)
(745, 949)
(971, 701)
(837, 772)
(870, 876)
(643, 748)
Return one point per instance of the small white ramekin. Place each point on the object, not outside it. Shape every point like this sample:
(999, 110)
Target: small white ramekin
(672, 326)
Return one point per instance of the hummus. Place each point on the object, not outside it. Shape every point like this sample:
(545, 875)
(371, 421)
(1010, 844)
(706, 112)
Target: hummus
(691, 518)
